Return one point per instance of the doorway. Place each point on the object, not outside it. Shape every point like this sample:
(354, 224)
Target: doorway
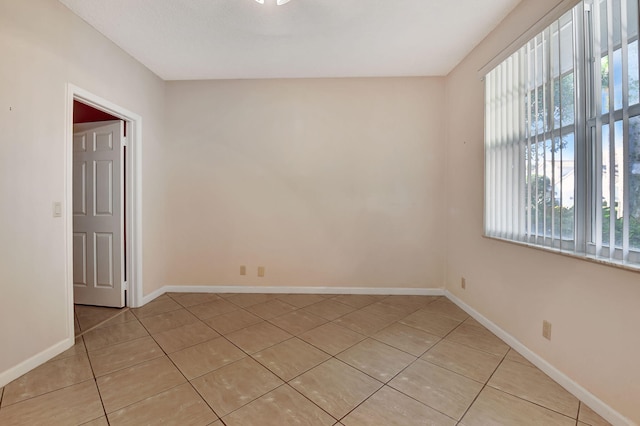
(99, 257)
(83, 106)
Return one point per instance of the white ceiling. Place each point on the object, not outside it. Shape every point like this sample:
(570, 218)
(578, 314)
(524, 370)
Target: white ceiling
(230, 39)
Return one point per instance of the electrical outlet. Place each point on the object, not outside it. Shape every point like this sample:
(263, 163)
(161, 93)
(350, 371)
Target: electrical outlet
(463, 283)
(261, 271)
(243, 270)
(546, 330)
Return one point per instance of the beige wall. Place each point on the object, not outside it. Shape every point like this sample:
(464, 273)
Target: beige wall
(332, 182)
(324, 182)
(43, 47)
(593, 308)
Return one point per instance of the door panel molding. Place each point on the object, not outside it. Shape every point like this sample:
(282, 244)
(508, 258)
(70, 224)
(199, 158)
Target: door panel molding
(103, 222)
(133, 189)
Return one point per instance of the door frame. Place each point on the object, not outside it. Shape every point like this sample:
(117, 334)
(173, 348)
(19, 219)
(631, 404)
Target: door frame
(133, 197)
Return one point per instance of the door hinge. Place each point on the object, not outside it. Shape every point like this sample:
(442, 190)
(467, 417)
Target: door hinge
(124, 141)
(126, 285)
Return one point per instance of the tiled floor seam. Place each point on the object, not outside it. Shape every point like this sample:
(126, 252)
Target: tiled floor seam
(141, 400)
(44, 393)
(187, 381)
(358, 405)
(139, 318)
(369, 335)
(409, 396)
(273, 372)
(142, 362)
(538, 404)
(484, 385)
(364, 372)
(309, 369)
(456, 372)
(402, 350)
(110, 345)
(97, 418)
(265, 348)
(396, 375)
(471, 347)
(101, 323)
(372, 335)
(304, 396)
(416, 328)
(245, 404)
(293, 378)
(418, 401)
(185, 347)
(578, 415)
(128, 365)
(95, 381)
(204, 399)
(333, 356)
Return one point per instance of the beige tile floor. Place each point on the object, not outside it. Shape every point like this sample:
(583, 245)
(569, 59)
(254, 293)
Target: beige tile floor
(260, 359)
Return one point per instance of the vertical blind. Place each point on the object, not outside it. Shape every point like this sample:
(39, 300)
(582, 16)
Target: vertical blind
(562, 136)
(614, 127)
(529, 140)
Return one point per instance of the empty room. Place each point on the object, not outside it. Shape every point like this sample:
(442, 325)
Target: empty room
(320, 212)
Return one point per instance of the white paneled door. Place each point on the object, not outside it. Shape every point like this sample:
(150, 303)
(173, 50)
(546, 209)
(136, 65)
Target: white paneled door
(98, 213)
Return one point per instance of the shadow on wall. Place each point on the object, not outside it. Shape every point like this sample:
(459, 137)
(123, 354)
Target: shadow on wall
(86, 114)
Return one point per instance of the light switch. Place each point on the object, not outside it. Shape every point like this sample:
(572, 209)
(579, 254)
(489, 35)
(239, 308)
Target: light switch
(57, 209)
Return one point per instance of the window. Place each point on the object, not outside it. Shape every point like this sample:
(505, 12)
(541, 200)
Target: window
(562, 136)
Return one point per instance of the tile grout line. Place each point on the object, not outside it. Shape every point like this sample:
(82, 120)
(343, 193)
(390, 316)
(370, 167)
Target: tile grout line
(536, 403)
(60, 388)
(367, 398)
(128, 366)
(383, 384)
(484, 385)
(248, 354)
(82, 333)
(142, 362)
(246, 311)
(365, 338)
(292, 388)
(223, 366)
(49, 392)
(251, 355)
(499, 364)
(95, 380)
(525, 399)
(176, 367)
(263, 320)
(305, 397)
(578, 415)
(387, 384)
(442, 339)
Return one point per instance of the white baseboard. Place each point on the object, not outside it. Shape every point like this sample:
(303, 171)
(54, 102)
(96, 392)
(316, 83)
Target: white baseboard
(24, 367)
(293, 290)
(151, 296)
(596, 404)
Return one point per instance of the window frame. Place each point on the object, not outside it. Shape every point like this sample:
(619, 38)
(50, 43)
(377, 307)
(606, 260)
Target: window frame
(587, 133)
